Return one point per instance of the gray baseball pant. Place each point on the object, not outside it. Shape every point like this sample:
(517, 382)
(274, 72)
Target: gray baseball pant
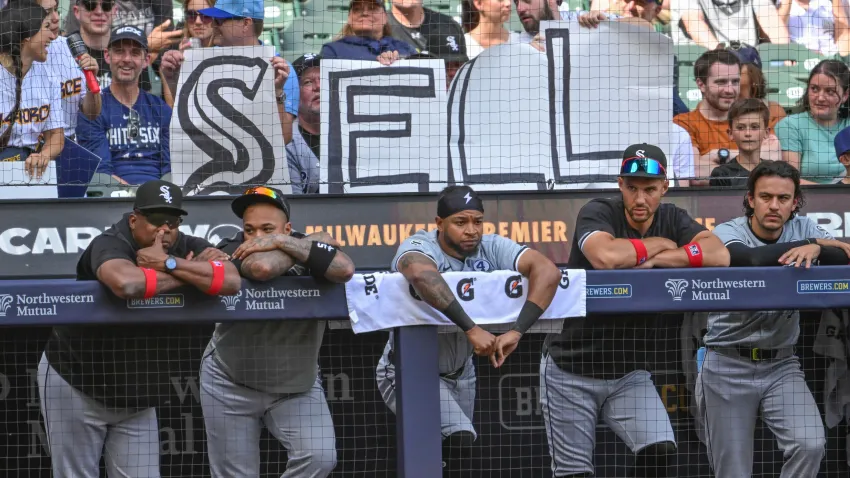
(457, 396)
(234, 416)
(730, 393)
(571, 407)
(80, 429)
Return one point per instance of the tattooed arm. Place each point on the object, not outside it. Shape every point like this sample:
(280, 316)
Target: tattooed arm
(276, 253)
(427, 281)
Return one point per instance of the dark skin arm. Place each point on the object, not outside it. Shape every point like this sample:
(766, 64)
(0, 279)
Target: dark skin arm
(423, 275)
(543, 278)
(340, 270)
(127, 281)
(714, 254)
(197, 274)
(605, 252)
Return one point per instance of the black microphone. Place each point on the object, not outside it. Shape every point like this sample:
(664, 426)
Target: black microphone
(78, 49)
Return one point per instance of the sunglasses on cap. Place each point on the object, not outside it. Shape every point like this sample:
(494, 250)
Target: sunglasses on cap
(91, 5)
(159, 219)
(263, 191)
(646, 165)
(193, 15)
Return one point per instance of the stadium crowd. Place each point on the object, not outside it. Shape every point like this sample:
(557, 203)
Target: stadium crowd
(135, 57)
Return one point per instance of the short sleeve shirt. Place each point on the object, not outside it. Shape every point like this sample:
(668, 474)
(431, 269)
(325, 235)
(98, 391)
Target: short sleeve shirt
(768, 329)
(604, 346)
(705, 134)
(119, 366)
(815, 145)
(69, 80)
(279, 356)
(40, 109)
(494, 253)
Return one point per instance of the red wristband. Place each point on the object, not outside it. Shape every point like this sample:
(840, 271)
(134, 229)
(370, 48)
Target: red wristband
(217, 278)
(640, 250)
(694, 252)
(150, 283)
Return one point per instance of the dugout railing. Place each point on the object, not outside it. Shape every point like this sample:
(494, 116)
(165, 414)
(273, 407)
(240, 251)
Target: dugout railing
(34, 303)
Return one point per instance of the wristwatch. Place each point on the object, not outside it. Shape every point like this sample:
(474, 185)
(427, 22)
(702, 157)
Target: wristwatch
(282, 98)
(170, 263)
(723, 155)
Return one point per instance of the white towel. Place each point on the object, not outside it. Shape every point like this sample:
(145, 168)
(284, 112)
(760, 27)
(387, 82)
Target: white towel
(383, 301)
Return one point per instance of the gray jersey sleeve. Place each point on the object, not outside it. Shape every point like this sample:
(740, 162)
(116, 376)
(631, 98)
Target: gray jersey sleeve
(813, 231)
(417, 243)
(503, 251)
(729, 232)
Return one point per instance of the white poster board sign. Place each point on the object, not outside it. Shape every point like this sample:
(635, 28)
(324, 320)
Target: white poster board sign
(16, 183)
(383, 127)
(617, 91)
(225, 127)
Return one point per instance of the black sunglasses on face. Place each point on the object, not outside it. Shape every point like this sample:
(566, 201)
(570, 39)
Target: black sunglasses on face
(91, 5)
(193, 15)
(158, 219)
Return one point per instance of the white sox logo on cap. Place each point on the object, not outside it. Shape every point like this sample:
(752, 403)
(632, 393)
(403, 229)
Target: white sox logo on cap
(166, 193)
(641, 153)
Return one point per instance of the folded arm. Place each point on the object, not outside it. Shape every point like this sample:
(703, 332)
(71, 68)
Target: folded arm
(714, 254)
(127, 281)
(605, 252)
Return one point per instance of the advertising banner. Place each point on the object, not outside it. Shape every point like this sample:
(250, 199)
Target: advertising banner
(44, 239)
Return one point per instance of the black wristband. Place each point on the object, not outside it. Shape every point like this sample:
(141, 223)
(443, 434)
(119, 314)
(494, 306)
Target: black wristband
(320, 258)
(456, 314)
(527, 317)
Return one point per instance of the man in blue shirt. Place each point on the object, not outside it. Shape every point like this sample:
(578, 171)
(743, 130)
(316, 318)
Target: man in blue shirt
(131, 134)
(240, 23)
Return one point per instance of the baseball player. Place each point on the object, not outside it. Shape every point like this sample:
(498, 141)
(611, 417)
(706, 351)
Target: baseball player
(98, 385)
(266, 373)
(597, 366)
(750, 366)
(458, 244)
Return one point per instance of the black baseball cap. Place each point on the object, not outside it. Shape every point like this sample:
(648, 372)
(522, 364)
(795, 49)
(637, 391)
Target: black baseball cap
(642, 161)
(128, 32)
(160, 195)
(305, 62)
(259, 194)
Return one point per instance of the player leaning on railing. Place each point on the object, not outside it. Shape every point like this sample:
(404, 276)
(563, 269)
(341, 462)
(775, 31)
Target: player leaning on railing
(458, 244)
(266, 373)
(594, 367)
(98, 385)
(751, 368)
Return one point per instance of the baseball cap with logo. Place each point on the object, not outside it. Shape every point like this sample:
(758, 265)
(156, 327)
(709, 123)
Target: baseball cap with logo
(643, 161)
(225, 9)
(305, 62)
(128, 32)
(256, 195)
(161, 196)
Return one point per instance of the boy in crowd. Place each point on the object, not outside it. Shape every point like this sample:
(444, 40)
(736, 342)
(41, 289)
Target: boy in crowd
(748, 128)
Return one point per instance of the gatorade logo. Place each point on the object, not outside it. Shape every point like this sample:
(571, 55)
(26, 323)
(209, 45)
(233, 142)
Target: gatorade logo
(513, 287)
(465, 290)
(564, 283)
